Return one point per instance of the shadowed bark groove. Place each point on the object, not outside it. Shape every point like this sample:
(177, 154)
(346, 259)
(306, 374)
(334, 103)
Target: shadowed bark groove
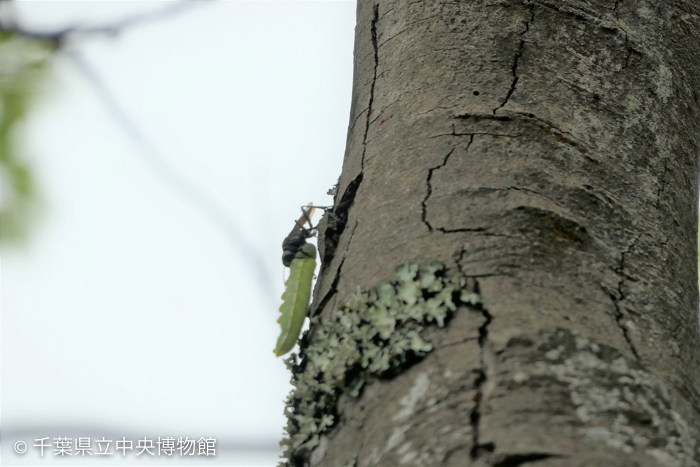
(547, 149)
(515, 460)
(484, 372)
(375, 47)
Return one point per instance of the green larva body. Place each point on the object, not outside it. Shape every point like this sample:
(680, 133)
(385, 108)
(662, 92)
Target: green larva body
(296, 298)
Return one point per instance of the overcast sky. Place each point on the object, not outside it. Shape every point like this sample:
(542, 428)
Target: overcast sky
(135, 309)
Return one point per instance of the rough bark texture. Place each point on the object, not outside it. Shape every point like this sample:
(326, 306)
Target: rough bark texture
(548, 150)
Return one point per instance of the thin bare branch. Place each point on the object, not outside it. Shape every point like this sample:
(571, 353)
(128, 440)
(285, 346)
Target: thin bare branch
(221, 219)
(9, 23)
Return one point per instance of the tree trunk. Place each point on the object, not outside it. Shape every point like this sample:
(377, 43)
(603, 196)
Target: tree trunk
(546, 153)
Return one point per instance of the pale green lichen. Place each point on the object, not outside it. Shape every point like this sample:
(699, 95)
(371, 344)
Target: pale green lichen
(603, 384)
(375, 333)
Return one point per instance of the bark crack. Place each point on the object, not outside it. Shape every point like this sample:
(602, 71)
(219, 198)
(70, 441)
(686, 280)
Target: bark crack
(334, 286)
(510, 116)
(478, 447)
(484, 133)
(352, 125)
(616, 299)
(502, 118)
(340, 212)
(332, 291)
(373, 31)
(549, 124)
(424, 210)
(463, 229)
(486, 370)
(515, 460)
(337, 221)
(662, 185)
(459, 259)
(518, 55)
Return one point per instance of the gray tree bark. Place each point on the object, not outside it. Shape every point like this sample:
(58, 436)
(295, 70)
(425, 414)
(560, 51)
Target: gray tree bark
(547, 151)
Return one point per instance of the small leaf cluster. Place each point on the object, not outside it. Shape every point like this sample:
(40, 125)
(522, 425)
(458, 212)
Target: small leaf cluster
(23, 64)
(376, 333)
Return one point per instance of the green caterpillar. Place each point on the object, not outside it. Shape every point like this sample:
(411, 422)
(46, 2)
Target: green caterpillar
(296, 298)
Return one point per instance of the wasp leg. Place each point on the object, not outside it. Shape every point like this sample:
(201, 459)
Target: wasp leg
(325, 208)
(307, 213)
(302, 228)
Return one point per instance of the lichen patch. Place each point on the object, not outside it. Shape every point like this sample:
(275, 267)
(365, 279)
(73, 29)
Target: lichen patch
(618, 403)
(416, 393)
(376, 333)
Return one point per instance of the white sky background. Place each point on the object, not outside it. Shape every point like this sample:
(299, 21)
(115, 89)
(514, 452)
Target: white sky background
(130, 311)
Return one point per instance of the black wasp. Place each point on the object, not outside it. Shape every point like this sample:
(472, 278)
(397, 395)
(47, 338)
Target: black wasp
(297, 237)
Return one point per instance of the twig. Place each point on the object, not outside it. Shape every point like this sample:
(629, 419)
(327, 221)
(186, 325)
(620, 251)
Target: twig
(150, 153)
(60, 36)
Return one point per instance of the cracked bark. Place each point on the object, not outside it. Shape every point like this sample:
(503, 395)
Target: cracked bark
(430, 188)
(619, 315)
(480, 448)
(547, 150)
(514, 460)
(516, 59)
(375, 47)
